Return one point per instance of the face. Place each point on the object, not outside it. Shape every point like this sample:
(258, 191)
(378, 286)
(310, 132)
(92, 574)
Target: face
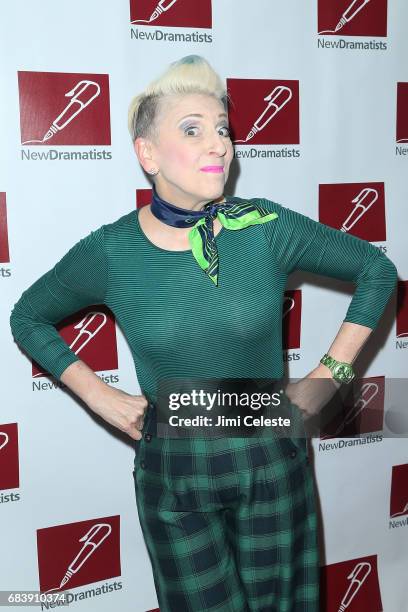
(193, 150)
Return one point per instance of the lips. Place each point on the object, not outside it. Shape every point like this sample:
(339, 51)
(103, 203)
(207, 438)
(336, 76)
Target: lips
(216, 169)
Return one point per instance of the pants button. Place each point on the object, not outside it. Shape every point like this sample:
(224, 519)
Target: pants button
(143, 465)
(147, 437)
(293, 454)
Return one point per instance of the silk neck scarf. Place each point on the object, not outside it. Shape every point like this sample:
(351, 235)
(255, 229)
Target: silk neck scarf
(233, 215)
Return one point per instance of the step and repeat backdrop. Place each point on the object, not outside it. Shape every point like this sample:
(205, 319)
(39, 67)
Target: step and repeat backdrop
(320, 124)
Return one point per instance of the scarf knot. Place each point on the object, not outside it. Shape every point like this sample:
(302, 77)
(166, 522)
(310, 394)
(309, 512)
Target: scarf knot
(211, 210)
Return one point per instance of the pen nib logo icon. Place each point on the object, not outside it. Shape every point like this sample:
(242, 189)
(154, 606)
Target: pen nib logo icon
(403, 511)
(4, 442)
(352, 10)
(288, 305)
(367, 393)
(358, 576)
(92, 540)
(82, 94)
(360, 209)
(88, 329)
(277, 99)
(161, 7)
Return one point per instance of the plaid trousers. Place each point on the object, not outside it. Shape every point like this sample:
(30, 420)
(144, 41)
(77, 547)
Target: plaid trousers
(229, 523)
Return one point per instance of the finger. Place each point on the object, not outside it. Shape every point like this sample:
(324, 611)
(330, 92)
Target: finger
(135, 433)
(144, 402)
(139, 424)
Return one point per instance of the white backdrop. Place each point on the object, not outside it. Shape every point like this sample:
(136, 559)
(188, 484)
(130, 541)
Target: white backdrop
(74, 473)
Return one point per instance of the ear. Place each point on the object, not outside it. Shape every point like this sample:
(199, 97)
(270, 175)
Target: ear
(144, 153)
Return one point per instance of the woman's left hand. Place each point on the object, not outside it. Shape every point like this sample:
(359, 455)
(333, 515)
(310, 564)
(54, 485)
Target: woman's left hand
(311, 394)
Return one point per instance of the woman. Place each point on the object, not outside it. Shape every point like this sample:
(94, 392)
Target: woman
(229, 522)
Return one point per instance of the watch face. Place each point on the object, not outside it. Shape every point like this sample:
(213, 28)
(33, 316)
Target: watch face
(343, 372)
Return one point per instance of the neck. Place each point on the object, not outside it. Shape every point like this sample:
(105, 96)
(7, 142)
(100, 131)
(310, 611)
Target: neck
(185, 203)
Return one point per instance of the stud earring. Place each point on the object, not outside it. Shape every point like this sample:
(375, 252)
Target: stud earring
(153, 171)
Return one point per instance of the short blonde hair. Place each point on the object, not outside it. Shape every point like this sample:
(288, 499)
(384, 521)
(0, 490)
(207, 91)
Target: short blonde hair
(190, 74)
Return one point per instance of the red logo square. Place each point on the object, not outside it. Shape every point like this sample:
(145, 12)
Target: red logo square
(402, 112)
(352, 17)
(59, 108)
(402, 309)
(399, 491)
(171, 13)
(9, 468)
(4, 244)
(291, 318)
(351, 586)
(143, 197)
(264, 111)
(91, 334)
(354, 208)
(362, 410)
(79, 553)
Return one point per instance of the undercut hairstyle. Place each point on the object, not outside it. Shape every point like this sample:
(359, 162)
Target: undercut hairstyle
(190, 74)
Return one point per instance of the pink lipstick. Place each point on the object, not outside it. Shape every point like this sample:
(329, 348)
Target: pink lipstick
(218, 169)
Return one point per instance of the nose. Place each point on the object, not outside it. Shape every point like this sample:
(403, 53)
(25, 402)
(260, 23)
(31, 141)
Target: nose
(218, 144)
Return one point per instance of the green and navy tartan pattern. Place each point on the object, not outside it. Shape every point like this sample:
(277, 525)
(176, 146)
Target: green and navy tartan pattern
(232, 216)
(229, 524)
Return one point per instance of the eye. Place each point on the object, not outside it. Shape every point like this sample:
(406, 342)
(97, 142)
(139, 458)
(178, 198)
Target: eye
(190, 128)
(228, 133)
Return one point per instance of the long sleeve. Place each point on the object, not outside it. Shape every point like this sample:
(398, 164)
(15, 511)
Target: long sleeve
(78, 280)
(300, 243)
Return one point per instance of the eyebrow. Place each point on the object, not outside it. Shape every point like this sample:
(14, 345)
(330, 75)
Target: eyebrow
(201, 116)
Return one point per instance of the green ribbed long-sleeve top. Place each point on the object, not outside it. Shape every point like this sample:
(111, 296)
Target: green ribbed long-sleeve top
(176, 321)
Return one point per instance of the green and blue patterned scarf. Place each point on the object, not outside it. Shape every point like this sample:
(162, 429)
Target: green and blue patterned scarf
(232, 215)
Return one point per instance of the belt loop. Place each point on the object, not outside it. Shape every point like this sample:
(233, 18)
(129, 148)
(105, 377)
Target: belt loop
(150, 420)
(153, 419)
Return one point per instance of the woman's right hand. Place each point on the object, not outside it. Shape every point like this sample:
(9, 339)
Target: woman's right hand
(120, 409)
